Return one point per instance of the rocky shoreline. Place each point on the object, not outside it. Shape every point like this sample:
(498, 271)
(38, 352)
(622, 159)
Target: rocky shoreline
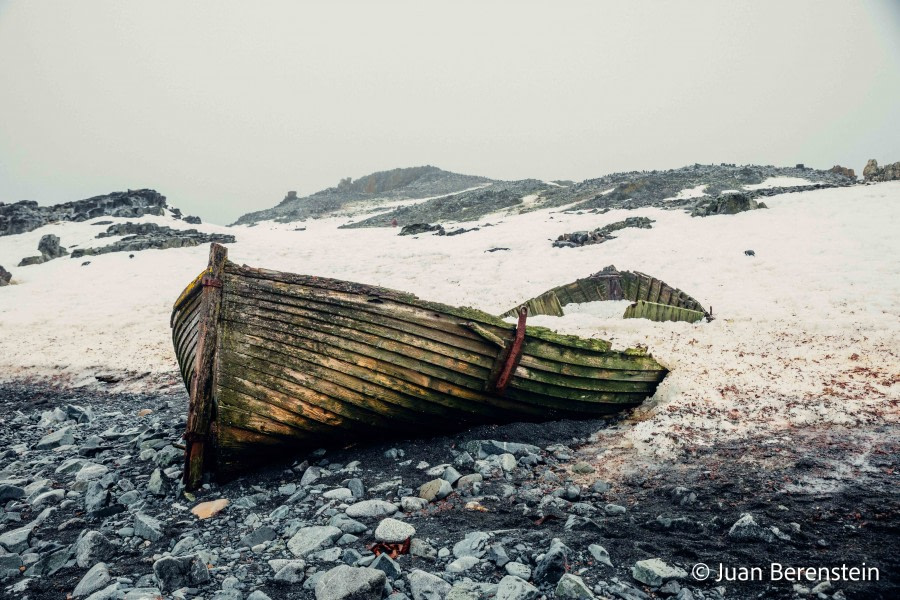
(91, 506)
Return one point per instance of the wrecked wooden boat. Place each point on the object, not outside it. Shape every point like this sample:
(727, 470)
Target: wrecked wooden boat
(652, 298)
(276, 361)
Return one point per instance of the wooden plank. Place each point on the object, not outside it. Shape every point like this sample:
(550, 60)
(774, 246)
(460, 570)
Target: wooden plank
(203, 382)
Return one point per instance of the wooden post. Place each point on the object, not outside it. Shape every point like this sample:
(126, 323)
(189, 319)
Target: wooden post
(203, 382)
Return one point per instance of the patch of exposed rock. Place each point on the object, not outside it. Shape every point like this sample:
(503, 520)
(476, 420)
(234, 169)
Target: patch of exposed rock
(49, 249)
(5, 276)
(24, 216)
(144, 236)
(601, 234)
(873, 172)
(729, 203)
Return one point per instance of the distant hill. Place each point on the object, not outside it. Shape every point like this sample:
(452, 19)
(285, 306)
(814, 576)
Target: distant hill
(397, 184)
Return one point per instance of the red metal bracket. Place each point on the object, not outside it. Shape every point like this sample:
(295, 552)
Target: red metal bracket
(515, 352)
(208, 281)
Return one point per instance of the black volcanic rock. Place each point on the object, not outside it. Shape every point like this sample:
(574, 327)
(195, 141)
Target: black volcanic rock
(407, 183)
(26, 215)
(5, 276)
(145, 236)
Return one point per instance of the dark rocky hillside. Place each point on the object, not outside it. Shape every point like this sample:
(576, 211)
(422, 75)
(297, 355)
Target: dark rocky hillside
(396, 184)
(24, 216)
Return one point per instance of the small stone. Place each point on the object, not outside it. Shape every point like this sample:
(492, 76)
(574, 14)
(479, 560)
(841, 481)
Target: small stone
(518, 569)
(172, 573)
(158, 486)
(572, 587)
(16, 540)
(351, 583)
(60, 437)
(436, 489)
(258, 536)
(582, 468)
(554, 563)
(462, 564)
(421, 548)
(515, 588)
(310, 476)
(356, 487)
(451, 475)
(10, 492)
(747, 529)
(371, 509)
(413, 503)
(97, 577)
(347, 525)
(600, 554)
(310, 539)
(206, 510)
(291, 572)
(614, 509)
(387, 565)
(393, 531)
(147, 527)
(342, 494)
(654, 572)
(92, 547)
(474, 544)
(425, 586)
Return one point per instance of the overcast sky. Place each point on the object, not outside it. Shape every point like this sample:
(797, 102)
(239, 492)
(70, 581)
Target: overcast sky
(224, 106)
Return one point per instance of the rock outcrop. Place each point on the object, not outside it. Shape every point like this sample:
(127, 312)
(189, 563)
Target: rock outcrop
(49, 249)
(144, 236)
(24, 216)
(845, 171)
(729, 203)
(5, 276)
(873, 172)
(601, 234)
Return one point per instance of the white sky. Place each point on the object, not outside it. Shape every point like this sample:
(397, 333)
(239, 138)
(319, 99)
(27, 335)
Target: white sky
(224, 106)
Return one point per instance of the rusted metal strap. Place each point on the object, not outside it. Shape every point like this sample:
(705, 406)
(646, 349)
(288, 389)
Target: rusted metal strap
(208, 281)
(515, 353)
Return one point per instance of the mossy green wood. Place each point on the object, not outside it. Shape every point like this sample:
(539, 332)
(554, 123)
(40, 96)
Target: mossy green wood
(304, 360)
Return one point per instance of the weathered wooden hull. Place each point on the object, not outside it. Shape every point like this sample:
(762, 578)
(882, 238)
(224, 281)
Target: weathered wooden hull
(276, 360)
(654, 299)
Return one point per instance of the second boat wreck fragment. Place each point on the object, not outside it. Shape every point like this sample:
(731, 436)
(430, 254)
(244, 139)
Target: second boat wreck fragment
(277, 360)
(652, 298)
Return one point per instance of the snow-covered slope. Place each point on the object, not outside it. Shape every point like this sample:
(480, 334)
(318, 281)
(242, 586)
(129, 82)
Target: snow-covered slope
(806, 331)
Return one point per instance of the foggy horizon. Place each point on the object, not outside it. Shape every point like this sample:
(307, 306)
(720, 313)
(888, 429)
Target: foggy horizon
(224, 108)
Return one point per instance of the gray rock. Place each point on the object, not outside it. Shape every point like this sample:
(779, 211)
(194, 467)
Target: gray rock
(518, 569)
(258, 595)
(5, 276)
(172, 572)
(747, 529)
(351, 583)
(291, 572)
(413, 503)
(497, 555)
(484, 448)
(371, 509)
(92, 547)
(470, 590)
(147, 527)
(572, 587)
(258, 536)
(421, 548)
(425, 586)
(310, 539)
(97, 577)
(462, 564)
(10, 492)
(49, 247)
(143, 593)
(61, 437)
(451, 475)
(386, 565)
(96, 497)
(16, 540)
(393, 531)
(655, 572)
(158, 486)
(436, 489)
(600, 554)
(110, 592)
(553, 565)
(347, 525)
(514, 588)
(356, 487)
(474, 544)
(9, 565)
(310, 476)
(614, 509)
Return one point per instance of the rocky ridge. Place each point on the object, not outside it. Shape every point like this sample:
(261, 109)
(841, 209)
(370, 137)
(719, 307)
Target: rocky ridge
(406, 183)
(25, 216)
(873, 172)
